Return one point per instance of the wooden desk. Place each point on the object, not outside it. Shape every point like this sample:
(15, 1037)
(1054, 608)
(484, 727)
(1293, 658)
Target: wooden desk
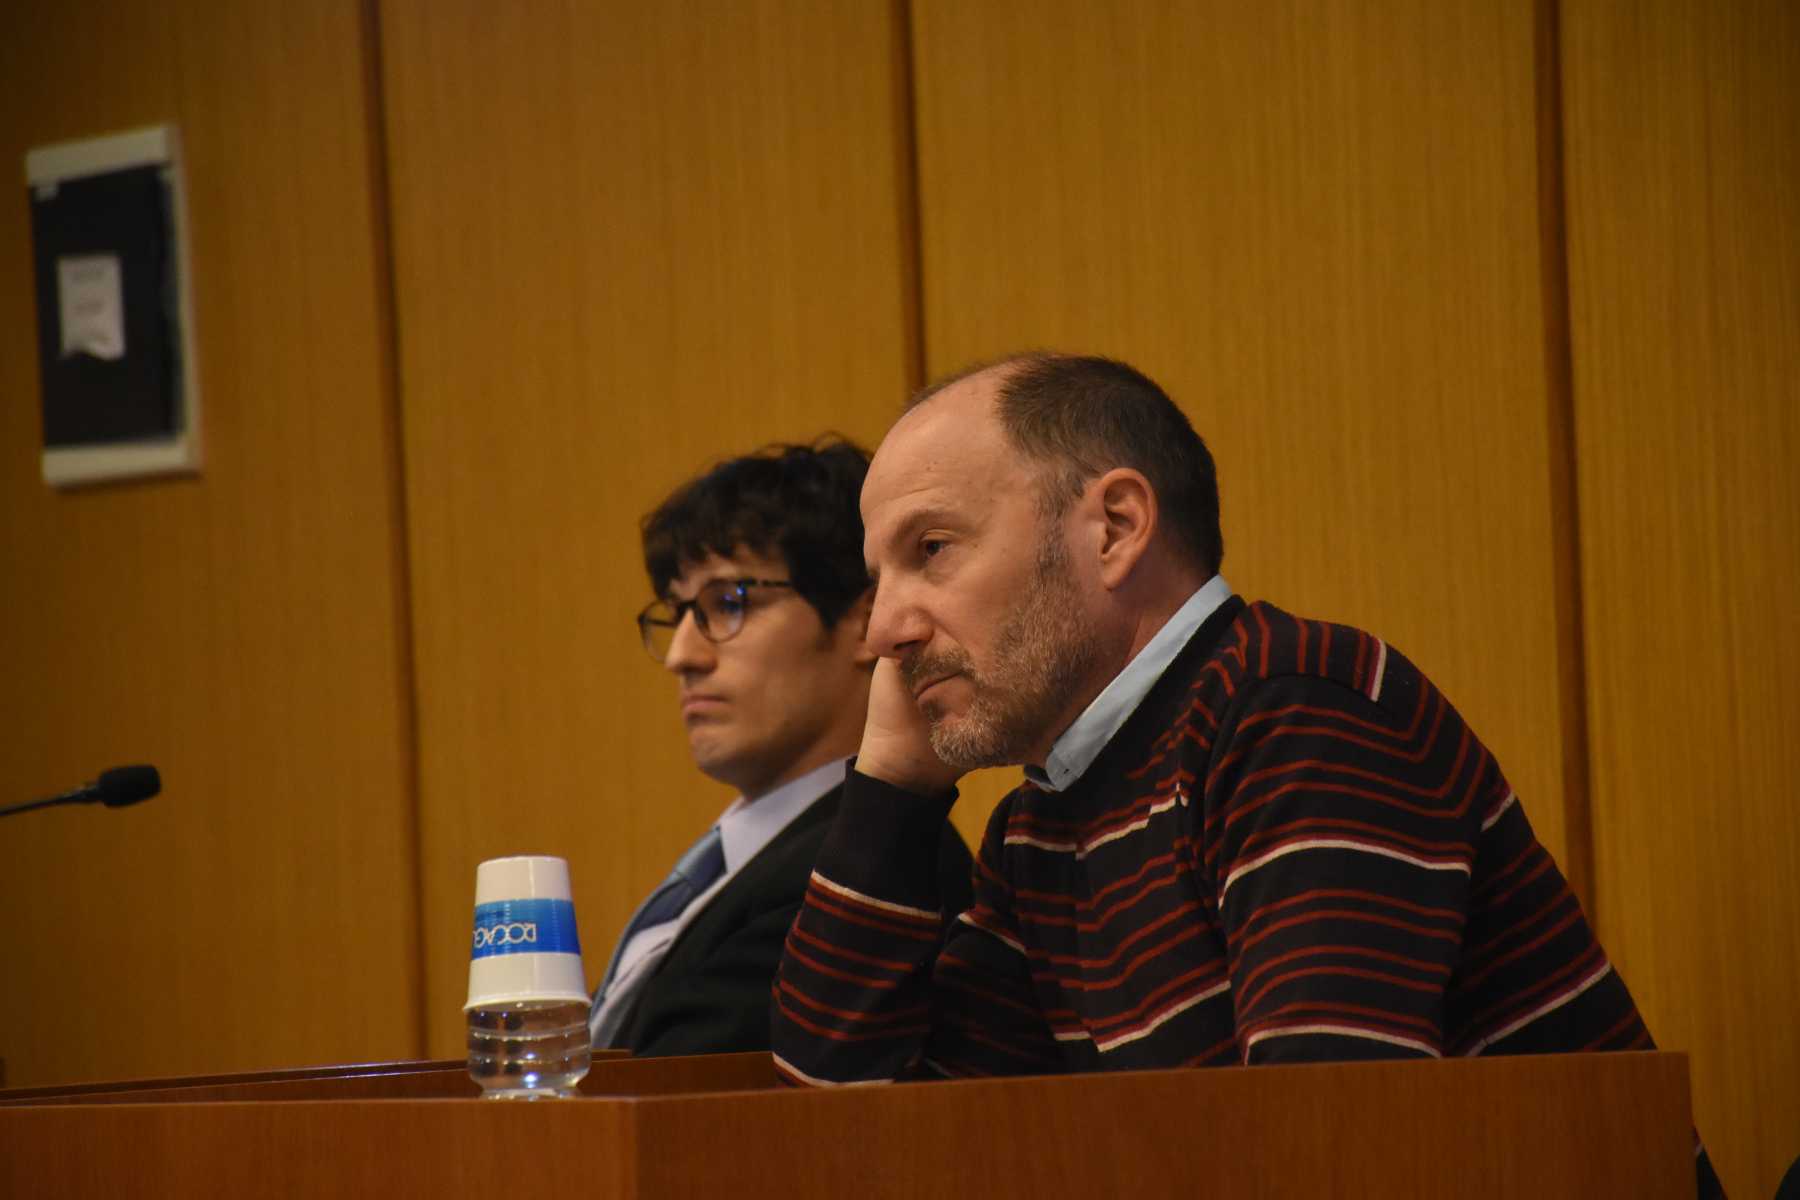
(613, 1073)
(1562, 1126)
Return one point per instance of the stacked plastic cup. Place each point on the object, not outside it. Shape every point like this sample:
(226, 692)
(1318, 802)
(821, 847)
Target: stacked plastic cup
(528, 1002)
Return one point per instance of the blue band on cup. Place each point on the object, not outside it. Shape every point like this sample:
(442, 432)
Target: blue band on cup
(524, 927)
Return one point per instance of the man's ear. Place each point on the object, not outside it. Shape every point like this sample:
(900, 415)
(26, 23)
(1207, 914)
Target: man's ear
(1128, 516)
(856, 621)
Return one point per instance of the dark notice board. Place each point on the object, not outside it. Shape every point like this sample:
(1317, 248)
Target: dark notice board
(97, 401)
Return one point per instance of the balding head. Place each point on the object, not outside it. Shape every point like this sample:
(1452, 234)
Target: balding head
(1073, 417)
(1020, 556)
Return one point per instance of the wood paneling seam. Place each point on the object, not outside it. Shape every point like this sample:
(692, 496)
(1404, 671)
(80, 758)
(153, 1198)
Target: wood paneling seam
(406, 677)
(1559, 381)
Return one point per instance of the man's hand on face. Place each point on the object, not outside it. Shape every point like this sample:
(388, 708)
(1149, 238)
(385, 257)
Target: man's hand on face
(896, 743)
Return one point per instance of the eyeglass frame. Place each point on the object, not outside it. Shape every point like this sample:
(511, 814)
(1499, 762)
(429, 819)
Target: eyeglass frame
(681, 608)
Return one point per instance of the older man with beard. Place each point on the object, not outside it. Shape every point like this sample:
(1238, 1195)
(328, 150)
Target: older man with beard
(1243, 837)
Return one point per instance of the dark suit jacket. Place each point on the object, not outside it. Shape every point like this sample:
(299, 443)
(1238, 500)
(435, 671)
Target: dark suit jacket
(710, 994)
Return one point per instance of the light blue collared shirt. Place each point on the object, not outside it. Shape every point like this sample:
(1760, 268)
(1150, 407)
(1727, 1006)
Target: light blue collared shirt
(748, 825)
(1082, 742)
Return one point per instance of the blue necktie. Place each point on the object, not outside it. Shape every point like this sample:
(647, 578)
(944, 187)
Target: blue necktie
(696, 871)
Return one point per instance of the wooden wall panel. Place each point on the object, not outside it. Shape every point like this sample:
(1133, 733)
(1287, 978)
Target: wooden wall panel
(630, 239)
(1317, 226)
(1683, 148)
(240, 629)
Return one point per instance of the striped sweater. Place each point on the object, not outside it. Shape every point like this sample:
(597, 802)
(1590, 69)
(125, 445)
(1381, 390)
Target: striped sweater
(1293, 851)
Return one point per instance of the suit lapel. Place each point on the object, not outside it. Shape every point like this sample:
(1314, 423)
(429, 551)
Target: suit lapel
(717, 917)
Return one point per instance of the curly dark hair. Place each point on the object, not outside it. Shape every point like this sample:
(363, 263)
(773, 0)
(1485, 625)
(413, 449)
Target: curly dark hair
(800, 502)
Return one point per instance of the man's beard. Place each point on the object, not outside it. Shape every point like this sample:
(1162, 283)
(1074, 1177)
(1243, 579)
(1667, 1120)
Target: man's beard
(1041, 654)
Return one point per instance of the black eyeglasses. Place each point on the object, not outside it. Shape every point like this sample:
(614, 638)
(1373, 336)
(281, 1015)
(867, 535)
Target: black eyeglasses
(718, 609)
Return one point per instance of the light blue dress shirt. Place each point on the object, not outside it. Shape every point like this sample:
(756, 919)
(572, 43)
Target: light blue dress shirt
(1081, 743)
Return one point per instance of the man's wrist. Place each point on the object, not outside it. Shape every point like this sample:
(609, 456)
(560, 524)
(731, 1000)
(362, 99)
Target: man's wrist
(886, 841)
(907, 773)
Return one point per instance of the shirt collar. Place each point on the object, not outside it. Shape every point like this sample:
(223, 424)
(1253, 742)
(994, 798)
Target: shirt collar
(747, 826)
(1081, 743)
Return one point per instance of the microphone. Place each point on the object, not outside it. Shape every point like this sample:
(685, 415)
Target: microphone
(115, 789)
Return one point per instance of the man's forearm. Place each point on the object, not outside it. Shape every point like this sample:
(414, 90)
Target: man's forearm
(852, 997)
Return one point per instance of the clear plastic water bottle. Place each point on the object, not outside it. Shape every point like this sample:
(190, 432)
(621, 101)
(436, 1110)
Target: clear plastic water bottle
(530, 1049)
(528, 1002)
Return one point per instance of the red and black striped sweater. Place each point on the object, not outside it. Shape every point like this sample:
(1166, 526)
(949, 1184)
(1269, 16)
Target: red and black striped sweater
(1294, 850)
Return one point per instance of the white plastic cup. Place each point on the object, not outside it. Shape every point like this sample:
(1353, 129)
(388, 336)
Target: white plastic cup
(524, 946)
(528, 1004)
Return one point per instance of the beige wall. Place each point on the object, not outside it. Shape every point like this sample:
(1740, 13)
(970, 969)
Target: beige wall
(242, 630)
(1684, 264)
(478, 283)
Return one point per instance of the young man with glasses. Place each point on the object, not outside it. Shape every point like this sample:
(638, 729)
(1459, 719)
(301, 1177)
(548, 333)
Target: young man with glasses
(762, 602)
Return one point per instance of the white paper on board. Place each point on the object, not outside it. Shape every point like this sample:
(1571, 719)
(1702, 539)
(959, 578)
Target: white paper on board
(91, 300)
